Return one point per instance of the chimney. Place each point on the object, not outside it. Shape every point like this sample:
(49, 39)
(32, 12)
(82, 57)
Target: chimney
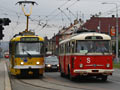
(71, 24)
(75, 21)
(113, 16)
(93, 16)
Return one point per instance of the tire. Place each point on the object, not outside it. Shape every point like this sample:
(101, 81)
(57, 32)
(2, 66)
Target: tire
(71, 78)
(35, 75)
(104, 78)
(62, 74)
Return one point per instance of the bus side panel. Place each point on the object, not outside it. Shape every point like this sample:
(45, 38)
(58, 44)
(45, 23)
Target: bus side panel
(72, 65)
(64, 63)
(67, 64)
(61, 61)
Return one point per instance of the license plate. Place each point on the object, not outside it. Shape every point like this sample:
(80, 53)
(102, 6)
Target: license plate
(54, 67)
(95, 70)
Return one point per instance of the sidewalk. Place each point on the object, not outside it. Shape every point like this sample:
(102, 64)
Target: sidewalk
(4, 78)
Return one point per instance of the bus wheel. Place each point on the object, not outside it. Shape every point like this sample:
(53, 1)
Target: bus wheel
(62, 74)
(71, 77)
(104, 78)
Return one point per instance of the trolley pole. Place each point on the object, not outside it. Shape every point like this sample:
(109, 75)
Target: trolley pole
(22, 3)
(27, 24)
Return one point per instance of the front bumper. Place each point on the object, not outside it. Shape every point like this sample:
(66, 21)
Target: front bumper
(29, 66)
(94, 71)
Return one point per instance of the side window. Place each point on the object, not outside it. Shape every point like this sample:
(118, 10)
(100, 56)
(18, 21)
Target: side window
(10, 47)
(69, 47)
(61, 48)
(43, 50)
(73, 46)
(66, 49)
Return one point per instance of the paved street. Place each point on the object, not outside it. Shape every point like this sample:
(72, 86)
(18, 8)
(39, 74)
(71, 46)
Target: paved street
(53, 81)
(4, 79)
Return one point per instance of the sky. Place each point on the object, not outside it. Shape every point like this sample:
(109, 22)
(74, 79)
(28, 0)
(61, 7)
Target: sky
(47, 12)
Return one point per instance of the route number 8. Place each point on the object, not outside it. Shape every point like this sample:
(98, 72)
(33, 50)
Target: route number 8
(88, 60)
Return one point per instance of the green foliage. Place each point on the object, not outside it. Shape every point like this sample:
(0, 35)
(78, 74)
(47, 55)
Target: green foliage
(114, 48)
(116, 65)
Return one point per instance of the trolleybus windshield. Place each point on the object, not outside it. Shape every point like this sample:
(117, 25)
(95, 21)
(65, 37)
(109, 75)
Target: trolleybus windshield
(23, 48)
(93, 46)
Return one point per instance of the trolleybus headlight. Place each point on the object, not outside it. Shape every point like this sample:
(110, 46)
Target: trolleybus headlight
(58, 65)
(48, 65)
(22, 63)
(107, 65)
(81, 65)
(37, 62)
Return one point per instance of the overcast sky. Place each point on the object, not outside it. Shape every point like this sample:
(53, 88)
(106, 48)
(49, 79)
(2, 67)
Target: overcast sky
(47, 12)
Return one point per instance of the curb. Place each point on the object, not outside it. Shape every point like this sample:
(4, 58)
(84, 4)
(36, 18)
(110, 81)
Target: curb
(7, 79)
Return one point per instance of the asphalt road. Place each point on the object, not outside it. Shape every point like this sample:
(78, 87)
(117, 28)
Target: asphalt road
(53, 81)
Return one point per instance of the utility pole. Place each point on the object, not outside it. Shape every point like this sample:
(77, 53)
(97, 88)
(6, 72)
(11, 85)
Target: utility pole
(117, 30)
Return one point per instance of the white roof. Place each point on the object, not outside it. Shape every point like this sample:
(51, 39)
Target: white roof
(65, 40)
(82, 36)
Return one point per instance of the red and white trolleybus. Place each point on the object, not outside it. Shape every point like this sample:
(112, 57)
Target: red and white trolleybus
(86, 54)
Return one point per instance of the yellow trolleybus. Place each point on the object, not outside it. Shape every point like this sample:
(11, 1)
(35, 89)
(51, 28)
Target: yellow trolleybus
(26, 54)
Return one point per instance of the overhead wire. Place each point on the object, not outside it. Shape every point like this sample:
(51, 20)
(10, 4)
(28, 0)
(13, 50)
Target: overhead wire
(11, 13)
(58, 7)
(49, 15)
(108, 12)
(71, 13)
(18, 14)
(63, 11)
(68, 17)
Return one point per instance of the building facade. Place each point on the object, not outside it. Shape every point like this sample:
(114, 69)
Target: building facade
(105, 25)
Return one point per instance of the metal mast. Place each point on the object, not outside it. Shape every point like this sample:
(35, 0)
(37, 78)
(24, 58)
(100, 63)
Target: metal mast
(22, 4)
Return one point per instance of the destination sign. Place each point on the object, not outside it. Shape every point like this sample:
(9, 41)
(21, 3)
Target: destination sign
(29, 39)
(94, 37)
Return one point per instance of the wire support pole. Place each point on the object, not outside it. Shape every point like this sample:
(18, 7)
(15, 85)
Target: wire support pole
(117, 30)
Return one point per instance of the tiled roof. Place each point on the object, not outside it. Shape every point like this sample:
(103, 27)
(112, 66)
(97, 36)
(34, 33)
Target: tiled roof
(105, 23)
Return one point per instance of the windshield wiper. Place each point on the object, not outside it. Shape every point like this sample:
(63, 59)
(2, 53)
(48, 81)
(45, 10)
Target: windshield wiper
(27, 53)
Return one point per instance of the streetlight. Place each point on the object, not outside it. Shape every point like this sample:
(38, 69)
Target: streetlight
(116, 29)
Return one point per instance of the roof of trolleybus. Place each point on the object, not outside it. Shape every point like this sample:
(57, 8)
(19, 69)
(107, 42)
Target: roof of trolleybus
(18, 38)
(83, 36)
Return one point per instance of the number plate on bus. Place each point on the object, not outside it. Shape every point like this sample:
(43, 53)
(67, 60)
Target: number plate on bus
(54, 67)
(95, 70)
